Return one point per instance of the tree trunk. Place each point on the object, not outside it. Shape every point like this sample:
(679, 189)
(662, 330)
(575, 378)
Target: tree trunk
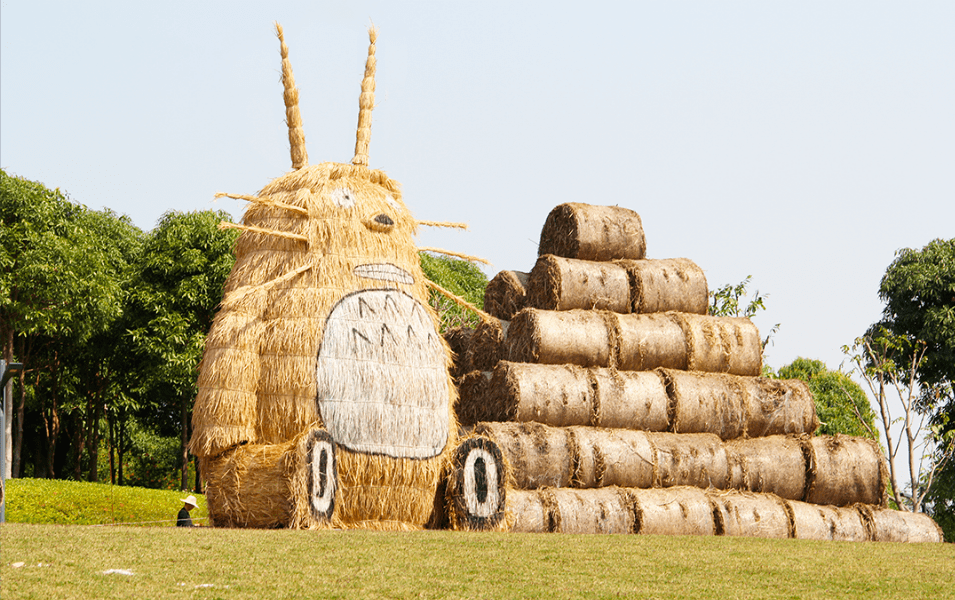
(184, 445)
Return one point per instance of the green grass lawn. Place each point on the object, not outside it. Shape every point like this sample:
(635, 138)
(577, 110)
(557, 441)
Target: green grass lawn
(71, 562)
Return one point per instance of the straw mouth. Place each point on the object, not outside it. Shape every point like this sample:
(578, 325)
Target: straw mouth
(384, 272)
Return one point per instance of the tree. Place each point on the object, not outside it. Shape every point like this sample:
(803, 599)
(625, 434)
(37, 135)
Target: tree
(173, 297)
(459, 277)
(841, 404)
(918, 326)
(725, 302)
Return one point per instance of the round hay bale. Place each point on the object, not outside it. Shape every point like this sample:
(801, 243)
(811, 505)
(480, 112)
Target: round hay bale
(528, 512)
(612, 457)
(721, 344)
(690, 459)
(588, 232)
(823, 523)
(459, 340)
(673, 511)
(650, 341)
(539, 456)
(844, 470)
(487, 345)
(475, 400)
(630, 400)
(565, 283)
(668, 284)
(576, 337)
(889, 525)
(605, 510)
(477, 486)
(774, 465)
(741, 514)
(557, 395)
(705, 403)
(777, 406)
(504, 295)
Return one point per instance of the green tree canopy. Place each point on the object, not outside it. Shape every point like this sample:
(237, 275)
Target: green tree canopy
(459, 277)
(841, 404)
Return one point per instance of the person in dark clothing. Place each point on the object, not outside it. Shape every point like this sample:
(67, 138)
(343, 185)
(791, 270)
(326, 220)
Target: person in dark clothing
(184, 520)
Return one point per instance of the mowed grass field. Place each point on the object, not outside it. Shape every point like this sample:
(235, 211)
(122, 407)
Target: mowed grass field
(73, 561)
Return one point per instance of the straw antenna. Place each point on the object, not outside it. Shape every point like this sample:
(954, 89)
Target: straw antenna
(460, 301)
(456, 255)
(264, 202)
(366, 102)
(439, 224)
(234, 298)
(293, 118)
(253, 229)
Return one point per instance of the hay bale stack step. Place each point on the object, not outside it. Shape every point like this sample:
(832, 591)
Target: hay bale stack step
(459, 340)
(589, 232)
(487, 345)
(793, 467)
(505, 294)
(692, 511)
(623, 286)
(662, 400)
(670, 340)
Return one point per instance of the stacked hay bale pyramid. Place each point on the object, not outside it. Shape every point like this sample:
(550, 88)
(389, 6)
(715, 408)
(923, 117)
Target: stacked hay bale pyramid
(615, 404)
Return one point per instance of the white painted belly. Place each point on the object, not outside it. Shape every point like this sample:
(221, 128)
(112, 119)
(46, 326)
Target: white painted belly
(382, 379)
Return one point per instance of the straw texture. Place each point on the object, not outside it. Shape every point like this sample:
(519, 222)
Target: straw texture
(588, 232)
(505, 294)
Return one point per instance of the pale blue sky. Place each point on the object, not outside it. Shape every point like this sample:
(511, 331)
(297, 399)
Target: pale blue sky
(802, 143)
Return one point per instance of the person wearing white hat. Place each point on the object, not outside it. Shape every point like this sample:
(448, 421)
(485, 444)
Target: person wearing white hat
(188, 503)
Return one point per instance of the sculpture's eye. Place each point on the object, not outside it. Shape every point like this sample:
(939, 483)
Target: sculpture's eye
(381, 223)
(343, 197)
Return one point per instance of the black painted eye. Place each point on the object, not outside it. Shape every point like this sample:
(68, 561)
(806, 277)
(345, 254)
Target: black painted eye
(384, 220)
(381, 223)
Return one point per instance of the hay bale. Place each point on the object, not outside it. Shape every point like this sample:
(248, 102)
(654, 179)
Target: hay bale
(612, 457)
(588, 232)
(691, 459)
(474, 400)
(630, 400)
(529, 512)
(477, 490)
(605, 510)
(705, 403)
(565, 283)
(488, 345)
(844, 470)
(741, 514)
(824, 523)
(887, 525)
(777, 406)
(671, 284)
(504, 295)
(773, 465)
(721, 344)
(650, 341)
(539, 456)
(459, 340)
(673, 511)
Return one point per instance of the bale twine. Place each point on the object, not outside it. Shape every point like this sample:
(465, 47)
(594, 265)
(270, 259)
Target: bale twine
(474, 399)
(477, 486)
(588, 232)
(774, 465)
(612, 457)
(721, 344)
(887, 525)
(777, 406)
(557, 283)
(824, 523)
(673, 511)
(691, 459)
(528, 512)
(844, 470)
(705, 403)
(488, 344)
(605, 510)
(459, 340)
(664, 285)
(539, 456)
(742, 514)
(504, 295)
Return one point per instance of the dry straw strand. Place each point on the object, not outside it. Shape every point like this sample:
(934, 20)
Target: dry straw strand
(366, 103)
(240, 294)
(252, 228)
(263, 202)
(467, 257)
(443, 224)
(460, 301)
(293, 117)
